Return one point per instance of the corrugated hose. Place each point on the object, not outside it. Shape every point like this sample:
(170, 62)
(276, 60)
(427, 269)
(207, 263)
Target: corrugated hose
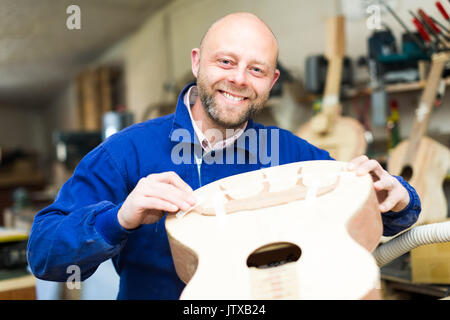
(413, 238)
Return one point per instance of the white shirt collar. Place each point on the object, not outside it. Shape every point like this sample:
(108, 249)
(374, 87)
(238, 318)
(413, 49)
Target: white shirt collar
(189, 100)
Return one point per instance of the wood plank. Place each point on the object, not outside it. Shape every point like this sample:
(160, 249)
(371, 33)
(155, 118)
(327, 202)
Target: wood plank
(105, 90)
(21, 288)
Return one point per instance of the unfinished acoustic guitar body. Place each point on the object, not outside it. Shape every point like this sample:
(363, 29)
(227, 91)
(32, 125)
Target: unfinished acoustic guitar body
(426, 172)
(421, 160)
(344, 140)
(304, 230)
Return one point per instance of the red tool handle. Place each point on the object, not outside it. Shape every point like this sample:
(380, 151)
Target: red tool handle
(421, 30)
(429, 21)
(442, 10)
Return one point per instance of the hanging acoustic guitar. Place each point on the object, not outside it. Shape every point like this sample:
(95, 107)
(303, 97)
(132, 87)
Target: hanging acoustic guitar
(421, 160)
(303, 230)
(342, 137)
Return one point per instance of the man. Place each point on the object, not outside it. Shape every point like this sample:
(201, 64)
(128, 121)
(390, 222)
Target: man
(114, 204)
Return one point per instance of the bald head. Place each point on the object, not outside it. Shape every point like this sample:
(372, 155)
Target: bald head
(235, 68)
(238, 23)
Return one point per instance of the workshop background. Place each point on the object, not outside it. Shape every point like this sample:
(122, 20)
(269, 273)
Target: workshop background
(63, 90)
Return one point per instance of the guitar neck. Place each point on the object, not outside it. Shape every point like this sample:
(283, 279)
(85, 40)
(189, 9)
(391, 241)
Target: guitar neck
(333, 83)
(426, 103)
(335, 51)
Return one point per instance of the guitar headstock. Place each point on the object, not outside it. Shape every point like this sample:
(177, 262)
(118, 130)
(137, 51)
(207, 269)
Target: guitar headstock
(334, 52)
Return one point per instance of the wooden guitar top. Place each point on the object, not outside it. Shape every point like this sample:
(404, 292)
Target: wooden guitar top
(324, 219)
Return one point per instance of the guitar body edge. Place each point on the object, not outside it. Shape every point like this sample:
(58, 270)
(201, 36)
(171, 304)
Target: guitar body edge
(429, 170)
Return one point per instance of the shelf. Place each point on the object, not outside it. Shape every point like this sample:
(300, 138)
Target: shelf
(391, 88)
(402, 87)
(21, 179)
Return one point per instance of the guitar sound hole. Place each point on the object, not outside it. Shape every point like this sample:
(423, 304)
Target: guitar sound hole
(274, 255)
(407, 173)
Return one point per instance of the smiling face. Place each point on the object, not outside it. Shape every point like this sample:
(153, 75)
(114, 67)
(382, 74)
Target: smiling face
(235, 69)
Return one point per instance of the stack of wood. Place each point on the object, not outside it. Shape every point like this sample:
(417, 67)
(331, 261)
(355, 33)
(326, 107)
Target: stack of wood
(95, 96)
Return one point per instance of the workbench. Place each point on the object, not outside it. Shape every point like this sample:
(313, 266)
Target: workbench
(17, 285)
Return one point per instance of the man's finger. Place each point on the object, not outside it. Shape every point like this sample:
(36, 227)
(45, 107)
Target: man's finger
(174, 179)
(385, 183)
(354, 163)
(158, 204)
(168, 192)
(370, 166)
(390, 202)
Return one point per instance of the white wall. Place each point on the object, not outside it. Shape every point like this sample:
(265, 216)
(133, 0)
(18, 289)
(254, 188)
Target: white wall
(62, 113)
(21, 128)
(146, 66)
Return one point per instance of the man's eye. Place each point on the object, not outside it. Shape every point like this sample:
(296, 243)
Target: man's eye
(226, 62)
(257, 70)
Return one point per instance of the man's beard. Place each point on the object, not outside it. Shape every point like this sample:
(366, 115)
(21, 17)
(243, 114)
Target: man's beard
(210, 106)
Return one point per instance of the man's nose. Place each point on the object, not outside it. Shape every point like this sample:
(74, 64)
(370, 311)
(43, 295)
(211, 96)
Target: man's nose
(238, 77)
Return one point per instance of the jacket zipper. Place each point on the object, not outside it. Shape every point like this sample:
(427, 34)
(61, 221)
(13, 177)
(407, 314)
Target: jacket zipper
(199, 161)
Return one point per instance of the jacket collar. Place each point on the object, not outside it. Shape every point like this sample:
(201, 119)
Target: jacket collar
(182, 120)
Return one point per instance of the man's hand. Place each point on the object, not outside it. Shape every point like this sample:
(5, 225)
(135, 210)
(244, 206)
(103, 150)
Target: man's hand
(392, 196)
(152, 196)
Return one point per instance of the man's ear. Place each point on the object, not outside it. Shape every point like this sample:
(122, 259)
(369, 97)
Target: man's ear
(275, 77)
(195, 61)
